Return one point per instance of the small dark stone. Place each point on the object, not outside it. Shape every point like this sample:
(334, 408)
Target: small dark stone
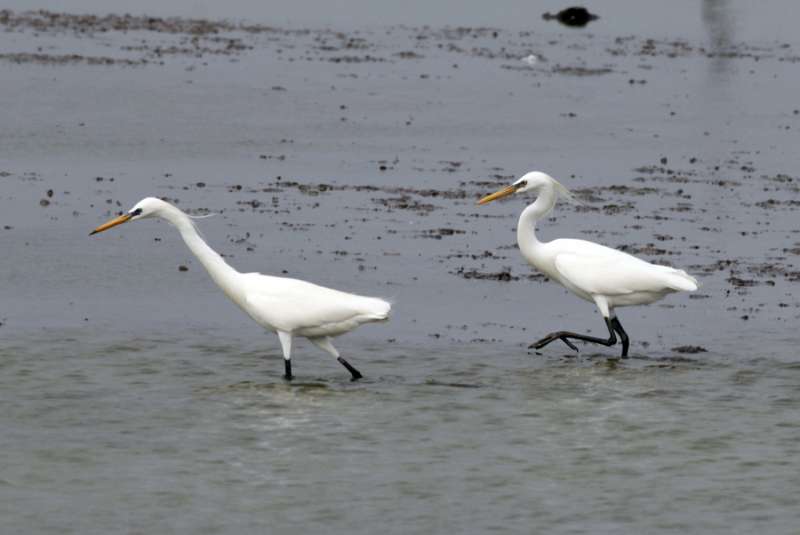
(690, 349)
(183, 268)
(572, 16)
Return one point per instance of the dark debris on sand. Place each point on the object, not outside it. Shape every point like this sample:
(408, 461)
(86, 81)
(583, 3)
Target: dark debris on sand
(576, 17)
(691, 350)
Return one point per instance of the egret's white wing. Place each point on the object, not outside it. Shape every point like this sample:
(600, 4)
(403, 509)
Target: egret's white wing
(291, 305)
(618, 273)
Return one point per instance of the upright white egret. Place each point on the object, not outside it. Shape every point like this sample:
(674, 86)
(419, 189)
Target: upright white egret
(288, 307)
(599, 274)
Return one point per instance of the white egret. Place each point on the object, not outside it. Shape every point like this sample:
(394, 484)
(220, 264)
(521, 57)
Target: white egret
(601, 275)
(288, 307)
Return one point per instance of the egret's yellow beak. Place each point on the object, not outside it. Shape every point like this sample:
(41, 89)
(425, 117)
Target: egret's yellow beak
(505, 192)
(113, 223)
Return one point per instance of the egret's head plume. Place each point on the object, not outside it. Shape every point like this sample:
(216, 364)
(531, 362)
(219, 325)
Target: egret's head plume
(535, 181)
(147, 207)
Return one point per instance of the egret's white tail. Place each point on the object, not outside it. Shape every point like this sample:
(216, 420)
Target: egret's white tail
(377, 309)
(679, 280)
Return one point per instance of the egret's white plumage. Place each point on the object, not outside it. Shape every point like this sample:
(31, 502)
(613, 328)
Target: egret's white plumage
(305, 309)
(288, 307)
(596, 273)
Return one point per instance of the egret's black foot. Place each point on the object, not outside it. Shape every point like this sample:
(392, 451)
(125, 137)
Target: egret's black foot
(623, 336)
(552, 337)
(356, 375)
(288, 370)
(612, 324)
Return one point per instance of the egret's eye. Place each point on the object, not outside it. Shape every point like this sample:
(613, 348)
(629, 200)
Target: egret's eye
(136, 212)
(522, 184)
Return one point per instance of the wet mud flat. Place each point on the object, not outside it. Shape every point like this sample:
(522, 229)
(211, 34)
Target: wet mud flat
(414, 185)
(354, 159)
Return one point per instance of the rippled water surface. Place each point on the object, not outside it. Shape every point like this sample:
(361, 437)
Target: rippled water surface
(135, 399)
(204, 436)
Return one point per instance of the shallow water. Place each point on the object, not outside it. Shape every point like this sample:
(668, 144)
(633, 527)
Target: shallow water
(136, 399)
(202, 435)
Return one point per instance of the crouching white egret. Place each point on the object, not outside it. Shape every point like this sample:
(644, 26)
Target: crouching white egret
(288, 307)
(599, 274)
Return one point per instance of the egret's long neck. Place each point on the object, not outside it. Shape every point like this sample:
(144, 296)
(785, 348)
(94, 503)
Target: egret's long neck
(220, 271)
(526, 226)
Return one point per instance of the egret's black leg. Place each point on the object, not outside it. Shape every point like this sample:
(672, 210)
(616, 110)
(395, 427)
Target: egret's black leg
(356, 375)
(286, 346)
(564, 336)
(287, 363)
(623, 336)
